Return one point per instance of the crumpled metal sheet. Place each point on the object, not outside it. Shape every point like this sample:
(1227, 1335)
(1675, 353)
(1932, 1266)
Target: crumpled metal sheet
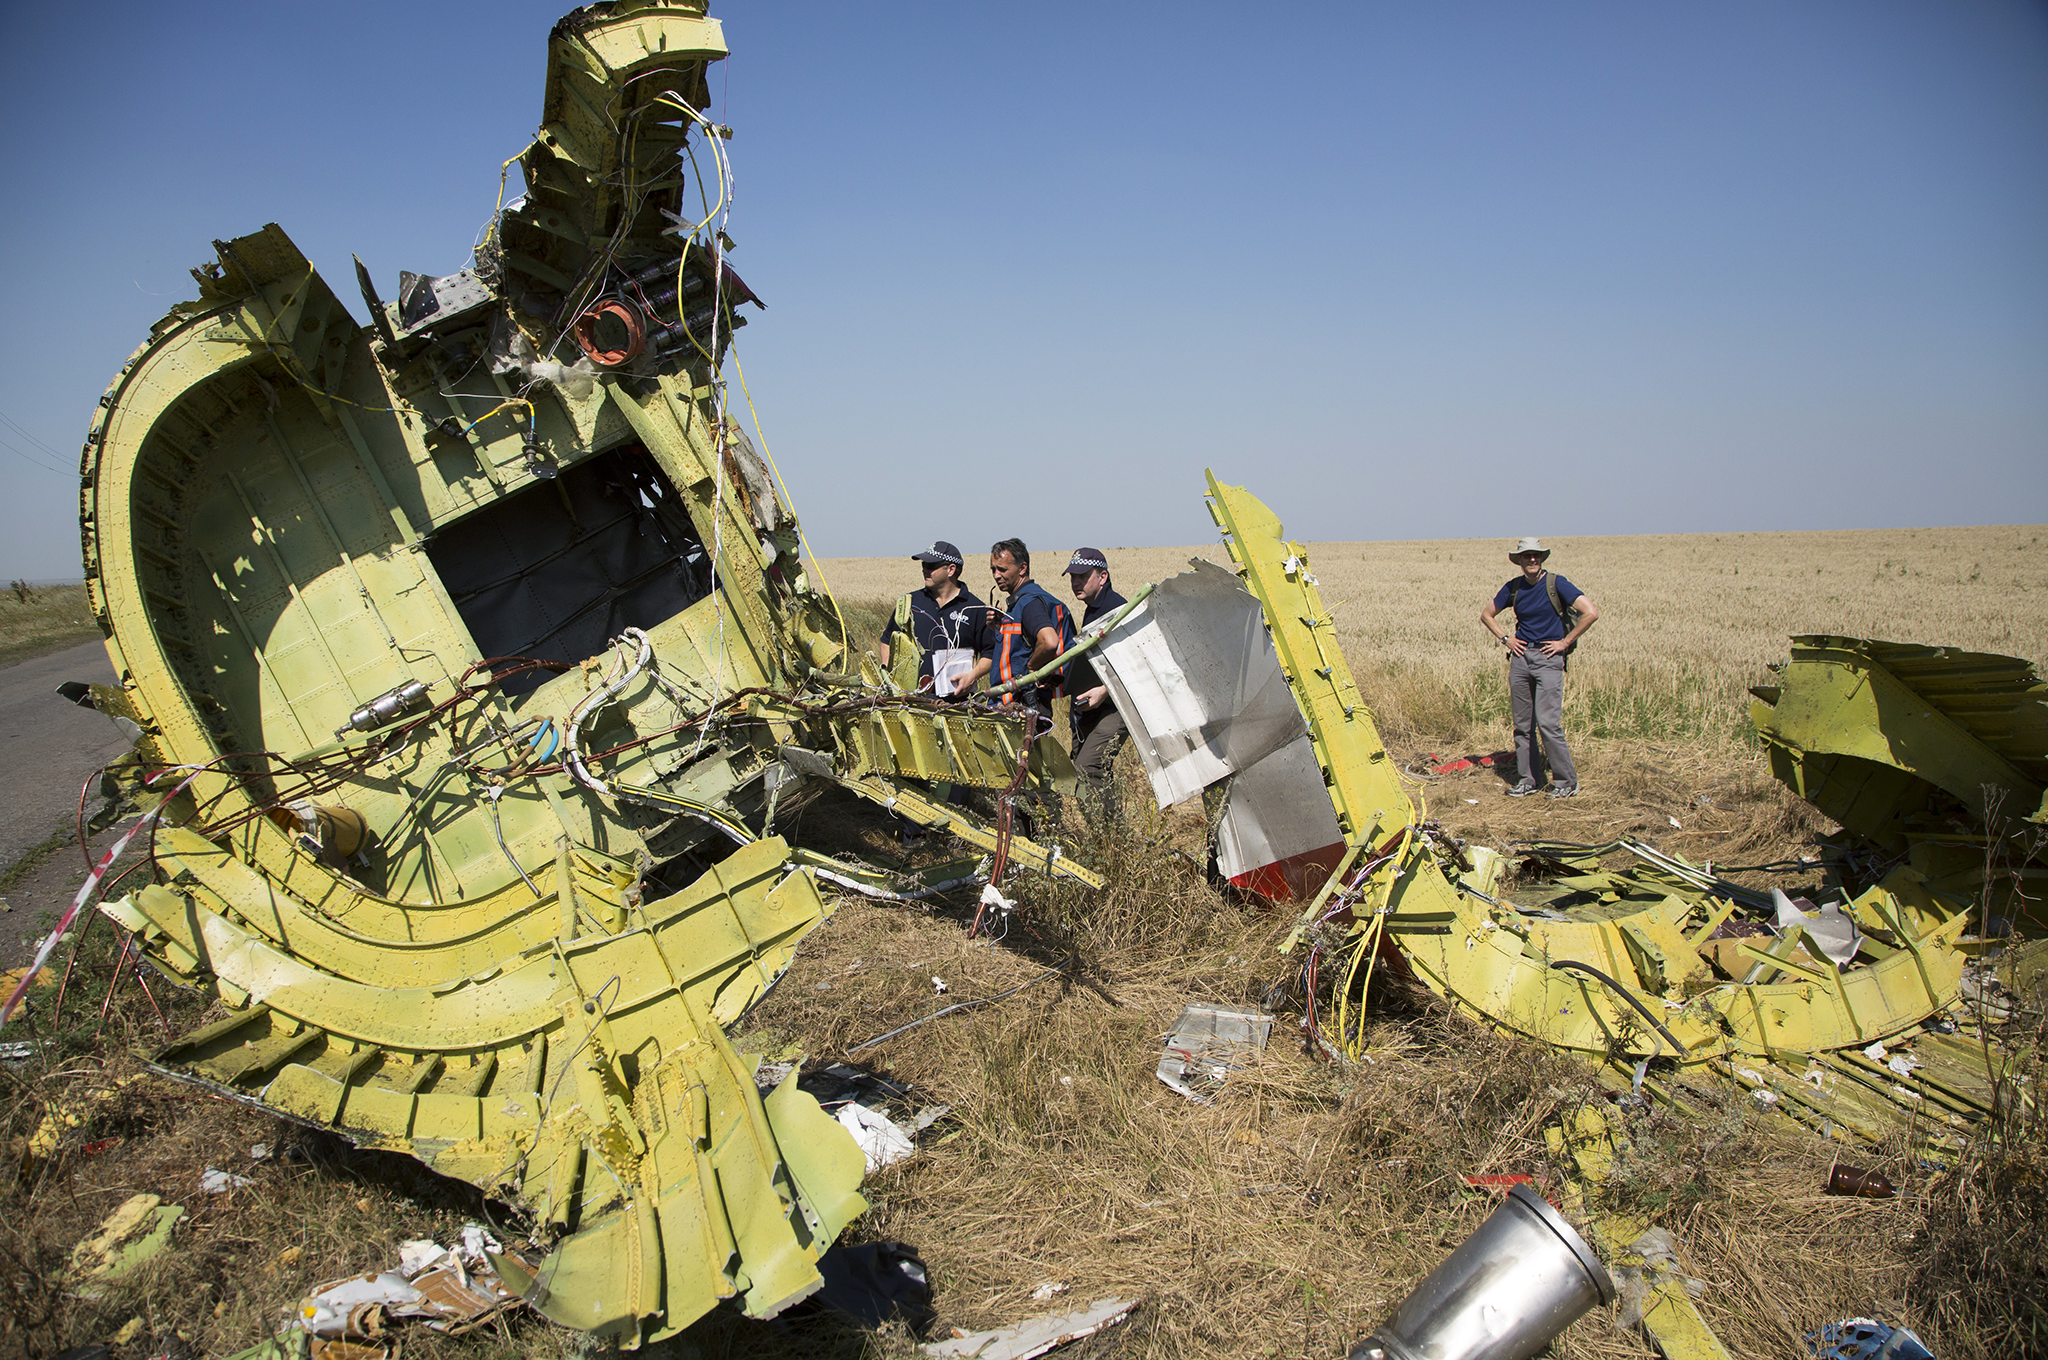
(521, 972)
(136, 1232)
(1614, 964)
(1898, 743)
(1206, 1042)
(1193, 673)
(1958, 720)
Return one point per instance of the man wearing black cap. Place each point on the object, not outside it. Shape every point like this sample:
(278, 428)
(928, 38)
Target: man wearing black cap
(944, 636)
(1099, 730)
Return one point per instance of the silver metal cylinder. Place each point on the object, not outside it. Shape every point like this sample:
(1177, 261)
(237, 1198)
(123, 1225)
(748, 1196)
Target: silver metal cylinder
(1504, 1294)
(400, 701)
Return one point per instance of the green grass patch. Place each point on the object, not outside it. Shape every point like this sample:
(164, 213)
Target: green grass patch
(43, 619)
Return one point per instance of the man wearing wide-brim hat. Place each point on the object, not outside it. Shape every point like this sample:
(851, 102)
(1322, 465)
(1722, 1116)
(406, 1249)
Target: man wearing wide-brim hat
(1551, 615)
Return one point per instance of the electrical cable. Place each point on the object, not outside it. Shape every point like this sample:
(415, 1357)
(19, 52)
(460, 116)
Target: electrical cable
(493, 792)
(1626, 995)
(1059, 967)
(37, 462)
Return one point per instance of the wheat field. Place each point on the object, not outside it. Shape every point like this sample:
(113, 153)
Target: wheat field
(1688, 621)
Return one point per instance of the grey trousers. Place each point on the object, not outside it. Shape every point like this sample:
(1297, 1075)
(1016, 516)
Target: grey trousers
(1536, 694)
(1097, 739)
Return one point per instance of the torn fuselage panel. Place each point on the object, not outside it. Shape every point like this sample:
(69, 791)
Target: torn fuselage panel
(525, 619)
(1929, 755)
(1193, 672)
(1612, 965)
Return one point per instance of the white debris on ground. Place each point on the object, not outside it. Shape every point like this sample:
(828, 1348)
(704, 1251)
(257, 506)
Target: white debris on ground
(882, 1141)
(1036, 1337)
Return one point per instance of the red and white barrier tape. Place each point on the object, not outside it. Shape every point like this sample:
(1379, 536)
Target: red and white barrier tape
(85, 893)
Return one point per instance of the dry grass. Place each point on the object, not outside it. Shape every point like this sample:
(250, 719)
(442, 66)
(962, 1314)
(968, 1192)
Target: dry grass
(52, 618)
(1657, 707)
(1657, 710)
(1981, 1268)
(1286, 1218)
(318, 1209)
(1688, 621)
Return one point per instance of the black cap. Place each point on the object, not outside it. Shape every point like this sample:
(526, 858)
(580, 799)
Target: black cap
(940, 551)
(1086, 560)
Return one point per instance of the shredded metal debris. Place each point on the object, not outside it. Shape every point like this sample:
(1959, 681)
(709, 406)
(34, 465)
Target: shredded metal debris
(1663, 970)
(1036, 1337)
(471, 664)
(1672, 978)
(1206, 1042)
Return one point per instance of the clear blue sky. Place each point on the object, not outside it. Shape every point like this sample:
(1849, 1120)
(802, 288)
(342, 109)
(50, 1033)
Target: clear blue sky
(1407, 271)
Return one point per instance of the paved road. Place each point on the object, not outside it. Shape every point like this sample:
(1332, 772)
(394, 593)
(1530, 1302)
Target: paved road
(48, 746)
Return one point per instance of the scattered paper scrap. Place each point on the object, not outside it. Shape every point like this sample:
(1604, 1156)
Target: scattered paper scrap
(881, 1140)
(1045, 1291)
(214, 1181)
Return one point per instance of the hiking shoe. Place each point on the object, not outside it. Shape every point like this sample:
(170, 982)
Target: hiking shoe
(1564, 790)
(1522, 790)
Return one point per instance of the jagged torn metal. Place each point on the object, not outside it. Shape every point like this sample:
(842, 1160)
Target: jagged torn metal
(481, 680)
(1194, 676)
(1929, 757)
(1621, 966)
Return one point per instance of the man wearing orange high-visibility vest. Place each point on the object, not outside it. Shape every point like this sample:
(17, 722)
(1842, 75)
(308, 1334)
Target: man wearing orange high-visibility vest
(1033, 628)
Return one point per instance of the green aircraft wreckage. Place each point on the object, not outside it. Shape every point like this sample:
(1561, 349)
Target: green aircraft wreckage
(471, 659)
(471, 664)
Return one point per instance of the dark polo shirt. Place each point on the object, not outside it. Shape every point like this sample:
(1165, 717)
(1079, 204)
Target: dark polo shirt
(963, 621)
(1081, 676)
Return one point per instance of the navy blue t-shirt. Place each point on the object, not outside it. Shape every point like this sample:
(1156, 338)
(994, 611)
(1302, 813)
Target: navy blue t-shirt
(1535, 620)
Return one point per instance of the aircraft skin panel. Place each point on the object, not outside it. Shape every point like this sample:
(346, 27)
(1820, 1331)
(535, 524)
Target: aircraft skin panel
(1650, 993)
(471, 676)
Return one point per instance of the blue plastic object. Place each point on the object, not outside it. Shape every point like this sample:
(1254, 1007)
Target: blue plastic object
(1865, 1339)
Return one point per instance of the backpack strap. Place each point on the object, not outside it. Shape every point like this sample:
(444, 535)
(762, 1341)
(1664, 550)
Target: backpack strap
(1063, 623)
(1564, 615)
